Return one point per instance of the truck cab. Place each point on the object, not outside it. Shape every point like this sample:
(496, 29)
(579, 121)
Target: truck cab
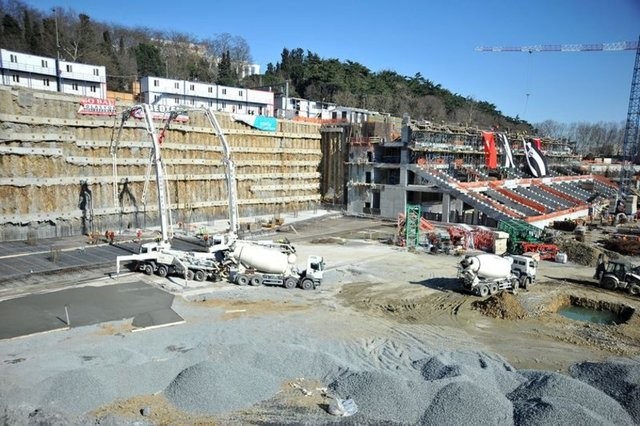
(525, 268)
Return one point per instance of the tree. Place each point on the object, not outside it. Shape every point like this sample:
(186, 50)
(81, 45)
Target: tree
(11, 34)
(149, 61)
(226, 74)
(86, 41)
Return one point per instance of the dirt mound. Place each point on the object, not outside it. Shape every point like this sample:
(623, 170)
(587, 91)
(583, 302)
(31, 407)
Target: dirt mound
(501, 305)
(580, 253)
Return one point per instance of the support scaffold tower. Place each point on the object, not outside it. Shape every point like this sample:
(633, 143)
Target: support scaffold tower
(412, 225)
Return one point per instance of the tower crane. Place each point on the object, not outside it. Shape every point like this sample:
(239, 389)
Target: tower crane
(631, 141)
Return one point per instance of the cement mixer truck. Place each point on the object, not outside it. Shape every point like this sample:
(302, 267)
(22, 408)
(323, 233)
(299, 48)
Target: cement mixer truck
(257, 264)
(485, 274)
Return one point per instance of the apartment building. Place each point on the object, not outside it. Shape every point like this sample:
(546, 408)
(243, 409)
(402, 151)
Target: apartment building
(170, 92)
(292, 108)
(44, 73)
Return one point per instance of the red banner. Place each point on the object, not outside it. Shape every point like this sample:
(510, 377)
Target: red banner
(95, 106)
(538, 143)
(490, 154)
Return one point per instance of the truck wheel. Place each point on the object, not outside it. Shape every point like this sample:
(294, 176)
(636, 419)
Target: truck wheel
(256, 280)
(190, 275)
(609, 283)
(290, 282)
(199, 275)
(242, 280)
(515, 287)
(634, 289)
(307, 284)
(493, 288)
(162, 271)
(483, 291)
(147, 269)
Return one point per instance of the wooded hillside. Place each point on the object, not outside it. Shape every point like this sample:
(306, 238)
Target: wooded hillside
(129, 53)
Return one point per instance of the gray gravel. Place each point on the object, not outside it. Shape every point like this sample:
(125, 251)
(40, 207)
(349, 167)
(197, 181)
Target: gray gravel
(551, 395)
(212, 388)
(463, 403)
(619, 378)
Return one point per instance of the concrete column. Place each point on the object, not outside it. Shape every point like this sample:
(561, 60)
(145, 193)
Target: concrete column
(446, 205)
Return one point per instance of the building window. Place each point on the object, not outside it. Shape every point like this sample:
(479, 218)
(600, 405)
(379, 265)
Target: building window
(15, 78)
(93, 88)
(13, 58)
(156, 98)
(224, 105)
(192, 87)
(45, 82)
(210, 103)
(240, 92)
(45, 64)
(193, 101)
(239, 107)
(156, 83)
(96, 71)
(210, 89)
(74, 86)
(176, 85)
(177, 100)
(69, 68)
(224, 91)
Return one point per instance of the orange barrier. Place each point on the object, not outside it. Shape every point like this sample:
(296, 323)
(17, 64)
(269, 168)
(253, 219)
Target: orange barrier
(553, 215)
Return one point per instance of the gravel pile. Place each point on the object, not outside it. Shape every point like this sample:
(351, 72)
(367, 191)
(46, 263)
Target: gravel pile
(491, 370)
(551, 396)
(467, 387)
(384, 396)
(448, 388)
(212, 388)
(619, 378)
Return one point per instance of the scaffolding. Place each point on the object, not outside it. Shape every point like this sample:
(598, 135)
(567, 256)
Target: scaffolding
(412, 225)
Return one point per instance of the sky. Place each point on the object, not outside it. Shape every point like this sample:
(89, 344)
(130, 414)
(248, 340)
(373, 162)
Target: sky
(436, 38)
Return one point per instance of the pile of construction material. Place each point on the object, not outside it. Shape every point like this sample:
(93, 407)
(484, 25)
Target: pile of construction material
(448, 388)
(579, 252)
(502, 305)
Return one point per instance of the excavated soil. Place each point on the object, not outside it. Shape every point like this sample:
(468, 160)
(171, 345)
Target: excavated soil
(502, 305)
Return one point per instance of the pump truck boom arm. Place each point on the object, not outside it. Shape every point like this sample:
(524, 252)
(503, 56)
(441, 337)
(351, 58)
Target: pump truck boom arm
(230, 174)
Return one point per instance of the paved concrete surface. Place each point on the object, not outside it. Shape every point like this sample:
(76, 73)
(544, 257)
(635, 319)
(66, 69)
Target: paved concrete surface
(19, 258)
(148, 306)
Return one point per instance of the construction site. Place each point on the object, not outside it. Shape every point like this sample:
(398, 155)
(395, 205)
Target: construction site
(192, 266)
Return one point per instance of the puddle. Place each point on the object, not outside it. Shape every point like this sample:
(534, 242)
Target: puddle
(578, 313)
(593, 311)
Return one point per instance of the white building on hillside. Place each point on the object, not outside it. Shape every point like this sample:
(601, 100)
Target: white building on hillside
(292, 108)
(39, 72)
(169, 92)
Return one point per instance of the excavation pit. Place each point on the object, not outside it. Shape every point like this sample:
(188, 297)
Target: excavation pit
(593, 311)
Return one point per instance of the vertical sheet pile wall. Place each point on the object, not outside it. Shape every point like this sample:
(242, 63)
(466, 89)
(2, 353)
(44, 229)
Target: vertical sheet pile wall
(56, 169)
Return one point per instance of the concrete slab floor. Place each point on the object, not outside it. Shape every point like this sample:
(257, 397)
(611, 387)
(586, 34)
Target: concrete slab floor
(37, 313)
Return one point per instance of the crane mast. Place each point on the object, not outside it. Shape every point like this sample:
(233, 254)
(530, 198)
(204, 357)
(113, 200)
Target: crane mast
(631, 131)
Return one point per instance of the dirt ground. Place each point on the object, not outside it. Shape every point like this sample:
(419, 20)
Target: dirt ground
(374, 293)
